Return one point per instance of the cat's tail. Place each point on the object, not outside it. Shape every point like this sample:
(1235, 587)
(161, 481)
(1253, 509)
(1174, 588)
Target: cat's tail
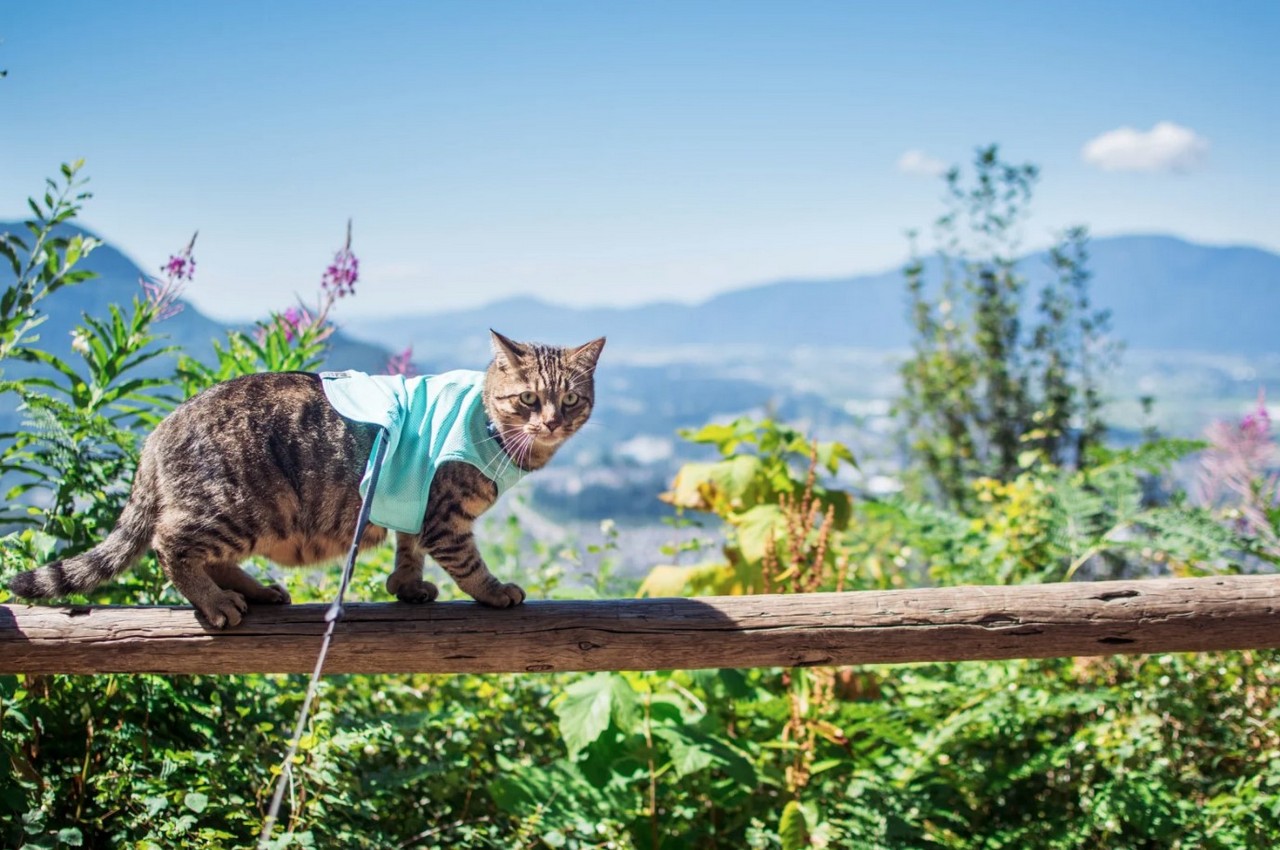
(124, 545)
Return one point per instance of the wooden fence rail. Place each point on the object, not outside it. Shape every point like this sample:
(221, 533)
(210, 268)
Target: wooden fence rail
(871, 627)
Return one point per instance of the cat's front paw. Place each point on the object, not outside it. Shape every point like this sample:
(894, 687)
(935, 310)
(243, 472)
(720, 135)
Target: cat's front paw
(502, 595)
(275, 594)
(417, 592)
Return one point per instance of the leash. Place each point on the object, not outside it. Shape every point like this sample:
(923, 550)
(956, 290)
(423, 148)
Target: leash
(331, 617)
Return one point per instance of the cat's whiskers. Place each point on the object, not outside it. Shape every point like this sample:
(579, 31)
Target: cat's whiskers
(517, 454)
(503, 458)
(523, 451)
(502, 435)
(517, 448)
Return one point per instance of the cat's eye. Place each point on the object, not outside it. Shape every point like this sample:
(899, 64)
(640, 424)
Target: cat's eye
(570, 399)
(529, 397)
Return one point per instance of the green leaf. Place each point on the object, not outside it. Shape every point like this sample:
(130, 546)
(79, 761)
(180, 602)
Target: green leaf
(7, 251)
(584, 712)
(195, 801)
(685, 755)
(792, 828)
(715, 486)
(74, 249)
(1189, 533)
(1152, 456)
(715, 434)
(626, 707)
(830, 456)
(71, 837)
(755, 528)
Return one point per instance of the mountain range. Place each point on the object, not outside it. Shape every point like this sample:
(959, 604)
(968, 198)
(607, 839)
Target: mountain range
(1164, 293)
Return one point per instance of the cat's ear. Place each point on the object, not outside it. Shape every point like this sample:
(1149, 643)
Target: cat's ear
(586, 355)
(507, 352)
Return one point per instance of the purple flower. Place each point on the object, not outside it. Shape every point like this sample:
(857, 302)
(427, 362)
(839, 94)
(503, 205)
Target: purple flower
(1257, 424)
(162, 296)
(180, 267)
(293, 320)
(402, 363)
(340, 277)
(1237, 471)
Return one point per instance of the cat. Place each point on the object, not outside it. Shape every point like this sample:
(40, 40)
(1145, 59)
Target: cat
(267, 465)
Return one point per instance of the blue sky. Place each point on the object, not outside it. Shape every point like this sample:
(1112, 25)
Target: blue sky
(611, 152)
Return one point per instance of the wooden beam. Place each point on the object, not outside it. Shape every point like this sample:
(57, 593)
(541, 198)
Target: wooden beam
(872, 627)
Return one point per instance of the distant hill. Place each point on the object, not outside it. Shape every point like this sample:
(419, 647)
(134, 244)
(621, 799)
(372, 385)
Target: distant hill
(194, 332)
(1164, 293)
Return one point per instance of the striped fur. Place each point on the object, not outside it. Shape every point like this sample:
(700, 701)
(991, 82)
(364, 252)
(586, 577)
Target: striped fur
(263, 465)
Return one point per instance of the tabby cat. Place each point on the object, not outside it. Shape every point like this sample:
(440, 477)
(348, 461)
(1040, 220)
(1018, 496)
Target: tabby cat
(266, 465)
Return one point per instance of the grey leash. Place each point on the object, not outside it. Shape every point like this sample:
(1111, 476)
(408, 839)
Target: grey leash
(331, 617)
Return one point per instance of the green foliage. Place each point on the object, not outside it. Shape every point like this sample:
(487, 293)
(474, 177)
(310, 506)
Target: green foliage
(73, 458)
(763, 460)
(279, 344)
(984, 396)
(1107, 752)
(44, 262)
(766, 488)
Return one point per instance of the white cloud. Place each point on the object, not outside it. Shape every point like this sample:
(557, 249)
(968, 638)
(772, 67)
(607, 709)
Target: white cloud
(921, 164)
(1165, 147)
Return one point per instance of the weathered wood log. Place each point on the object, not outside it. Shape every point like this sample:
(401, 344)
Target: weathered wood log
(873, 627)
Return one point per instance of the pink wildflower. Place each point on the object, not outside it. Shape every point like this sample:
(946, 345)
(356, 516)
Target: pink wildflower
(1240, 452)
(163, 295)
(339, 280)
(293, 320)
(1237, 470)
(402, 363)
(1257, 425)
(340, 277)
(180, 267)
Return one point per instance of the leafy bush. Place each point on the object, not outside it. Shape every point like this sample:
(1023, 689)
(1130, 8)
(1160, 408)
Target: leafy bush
(987, 391)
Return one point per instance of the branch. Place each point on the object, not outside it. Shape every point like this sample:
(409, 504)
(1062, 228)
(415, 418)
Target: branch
(870, 627)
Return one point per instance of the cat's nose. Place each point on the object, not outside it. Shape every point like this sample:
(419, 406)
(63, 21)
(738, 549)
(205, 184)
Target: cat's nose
(552, 424)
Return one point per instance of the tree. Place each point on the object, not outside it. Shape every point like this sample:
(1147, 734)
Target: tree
(988, 393)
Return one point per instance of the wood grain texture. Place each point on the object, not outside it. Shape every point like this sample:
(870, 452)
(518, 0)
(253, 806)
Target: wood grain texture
(873, 627)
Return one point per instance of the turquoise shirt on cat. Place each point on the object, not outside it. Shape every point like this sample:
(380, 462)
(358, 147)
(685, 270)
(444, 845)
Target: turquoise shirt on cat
(429, 420)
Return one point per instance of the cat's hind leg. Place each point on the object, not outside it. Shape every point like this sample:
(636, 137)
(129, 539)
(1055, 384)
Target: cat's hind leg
(406, 582)
(201, 561)
(230, 576)
(221, 607)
